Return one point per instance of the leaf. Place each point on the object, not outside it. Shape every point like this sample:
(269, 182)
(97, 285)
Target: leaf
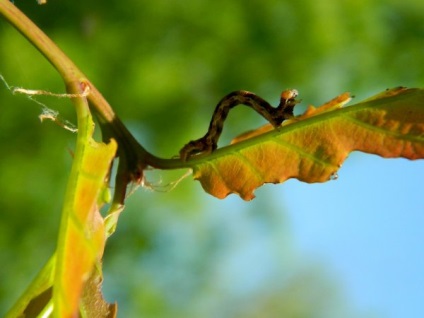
(93, 305)
(70, 283)
(82, 234)
(333, 104)
(313, 146)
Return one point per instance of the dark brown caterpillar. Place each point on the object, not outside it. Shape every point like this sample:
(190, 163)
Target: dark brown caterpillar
(275, 116)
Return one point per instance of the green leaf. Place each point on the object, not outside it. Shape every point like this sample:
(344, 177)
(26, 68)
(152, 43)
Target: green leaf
(312, 147)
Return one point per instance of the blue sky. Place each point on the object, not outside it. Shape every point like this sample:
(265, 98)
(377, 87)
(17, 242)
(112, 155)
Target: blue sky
(363, 230)
(368, 228)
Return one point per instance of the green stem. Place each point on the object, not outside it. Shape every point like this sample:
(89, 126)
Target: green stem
(129, 149)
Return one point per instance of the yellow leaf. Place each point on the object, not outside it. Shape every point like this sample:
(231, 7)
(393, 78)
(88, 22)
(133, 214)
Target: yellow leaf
(83, 239)
(333, 104)
(82, 232)
(313, 146)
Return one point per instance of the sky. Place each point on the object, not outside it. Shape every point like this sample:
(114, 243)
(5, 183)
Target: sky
(363, 230)
(367, 226)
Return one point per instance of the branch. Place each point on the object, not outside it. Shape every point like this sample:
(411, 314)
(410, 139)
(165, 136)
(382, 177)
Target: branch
(134, 158)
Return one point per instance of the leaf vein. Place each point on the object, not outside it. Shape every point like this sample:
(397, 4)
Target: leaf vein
(251, 166)
(383, 130)
(302, 152)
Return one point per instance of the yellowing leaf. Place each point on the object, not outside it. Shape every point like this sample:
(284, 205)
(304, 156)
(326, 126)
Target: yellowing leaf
(82, 234)
(69, 285)
(313, 146)
(333, 104)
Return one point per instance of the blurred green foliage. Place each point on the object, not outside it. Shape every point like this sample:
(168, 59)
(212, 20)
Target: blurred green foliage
(163, 65)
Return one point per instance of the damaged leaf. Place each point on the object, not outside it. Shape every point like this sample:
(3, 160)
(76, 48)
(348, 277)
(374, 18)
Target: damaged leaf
(313, 146)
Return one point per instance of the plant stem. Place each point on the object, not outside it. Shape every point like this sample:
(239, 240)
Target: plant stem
(136, 156)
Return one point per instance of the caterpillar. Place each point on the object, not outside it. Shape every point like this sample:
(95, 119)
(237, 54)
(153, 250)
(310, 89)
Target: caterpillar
(275, 115)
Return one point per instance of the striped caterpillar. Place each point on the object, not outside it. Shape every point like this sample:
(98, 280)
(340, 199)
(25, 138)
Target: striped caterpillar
(275, 116)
